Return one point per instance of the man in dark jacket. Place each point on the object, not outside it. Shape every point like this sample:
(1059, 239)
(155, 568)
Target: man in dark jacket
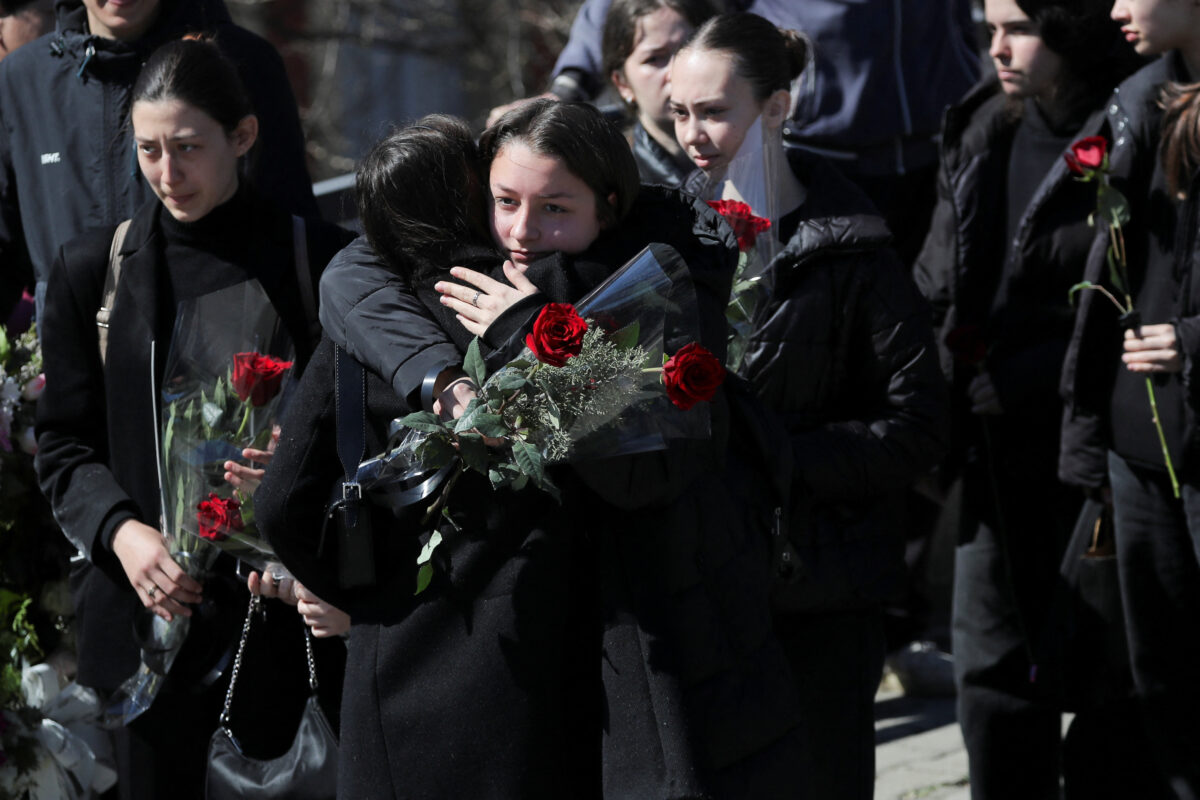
(67, 160)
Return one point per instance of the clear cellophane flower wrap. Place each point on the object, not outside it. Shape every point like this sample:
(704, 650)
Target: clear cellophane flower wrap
(607, 398)
(225, 378)
(746, 193)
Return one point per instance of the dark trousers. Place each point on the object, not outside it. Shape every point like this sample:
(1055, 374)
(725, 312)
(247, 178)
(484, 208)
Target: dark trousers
(837, 661)
(1158, 558)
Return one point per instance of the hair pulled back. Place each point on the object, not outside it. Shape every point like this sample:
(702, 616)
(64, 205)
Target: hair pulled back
(590, 147)
(419, 188)
(621, 25)
(193, 71)
(770, 58)
(1180, 148)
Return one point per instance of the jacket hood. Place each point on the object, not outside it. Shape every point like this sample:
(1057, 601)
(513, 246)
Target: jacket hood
(175, 18)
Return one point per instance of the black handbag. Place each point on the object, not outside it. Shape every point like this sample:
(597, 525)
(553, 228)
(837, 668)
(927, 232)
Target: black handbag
(307, 771)
(1085, 655)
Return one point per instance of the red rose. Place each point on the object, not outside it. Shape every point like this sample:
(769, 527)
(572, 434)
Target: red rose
(745, 225)
(967, 344)
(218, 517)
(257, 378)
(557, 334)
(1086, 154)
(691, 375)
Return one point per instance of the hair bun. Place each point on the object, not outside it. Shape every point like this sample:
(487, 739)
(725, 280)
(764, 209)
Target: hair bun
(798, 47)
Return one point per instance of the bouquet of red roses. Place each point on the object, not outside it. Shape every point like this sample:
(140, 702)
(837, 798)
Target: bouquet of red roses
(224, 380)
(619, 373)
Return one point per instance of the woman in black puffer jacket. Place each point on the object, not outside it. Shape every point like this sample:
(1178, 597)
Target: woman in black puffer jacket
(842, 351)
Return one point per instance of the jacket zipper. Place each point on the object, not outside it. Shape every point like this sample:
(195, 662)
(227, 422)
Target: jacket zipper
(87, 57)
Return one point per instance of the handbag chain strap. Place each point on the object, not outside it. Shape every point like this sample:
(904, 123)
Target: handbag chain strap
(256, 609)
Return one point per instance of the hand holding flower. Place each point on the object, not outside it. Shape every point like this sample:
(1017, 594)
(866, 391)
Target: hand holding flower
(160, 583)
(1152, 348)
(982, 393)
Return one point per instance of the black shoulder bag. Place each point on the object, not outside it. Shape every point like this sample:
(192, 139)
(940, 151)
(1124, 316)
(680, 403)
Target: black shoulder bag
(307, 771)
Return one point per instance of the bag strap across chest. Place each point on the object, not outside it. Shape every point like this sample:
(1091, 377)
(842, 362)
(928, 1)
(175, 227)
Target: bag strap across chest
(112, 279)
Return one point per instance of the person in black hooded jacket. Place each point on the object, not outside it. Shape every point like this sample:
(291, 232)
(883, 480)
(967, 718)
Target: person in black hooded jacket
(842, 351)
(1010, 238)
(67, 161)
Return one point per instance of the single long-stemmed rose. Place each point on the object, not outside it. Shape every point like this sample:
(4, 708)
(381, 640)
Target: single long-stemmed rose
(747, 290)
(256, 379)
(1088, 161)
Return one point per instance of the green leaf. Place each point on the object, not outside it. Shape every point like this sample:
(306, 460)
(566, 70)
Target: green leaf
(473, 364)
(1116, 275)
(425, 421)
(473, 410)
(529, 460)
(552, 412)
(424, 578)
(1111, 205)
(509, 381)
(211, 414)
(473, 452)
(520, 364)
(426, 554)
(436, 451)
(491, 425)
(261, 440)
(626, 337)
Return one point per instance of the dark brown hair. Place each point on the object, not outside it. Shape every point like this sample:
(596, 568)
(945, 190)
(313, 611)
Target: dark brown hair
(620, 25)
(419, 189)
(194, 72)
(1180, 147)
(770, 58)
(591, 148)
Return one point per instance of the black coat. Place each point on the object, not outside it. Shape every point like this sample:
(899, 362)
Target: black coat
(843, 353)
(655, 164)
(641, 600)
(96, 424)
(1020, 307)
(1132, 125)
(67, 159)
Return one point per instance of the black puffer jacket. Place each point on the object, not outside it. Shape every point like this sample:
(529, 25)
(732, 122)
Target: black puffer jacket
(844, 354)
(1133, 119)
(67, 161)
(1019, 309)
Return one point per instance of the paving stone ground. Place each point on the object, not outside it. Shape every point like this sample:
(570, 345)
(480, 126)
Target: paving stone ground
(918, 748)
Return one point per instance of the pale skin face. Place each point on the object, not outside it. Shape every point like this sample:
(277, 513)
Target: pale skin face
(186, 156)
(124, 20)
(22, 28)
(714, 107)
(643, 80)
(1025, 65)
(1154, 27)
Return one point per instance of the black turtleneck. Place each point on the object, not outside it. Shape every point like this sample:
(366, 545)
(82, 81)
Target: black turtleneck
(1036, 146)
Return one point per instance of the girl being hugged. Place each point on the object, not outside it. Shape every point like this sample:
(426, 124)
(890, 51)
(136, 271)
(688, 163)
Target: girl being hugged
(843, 352)
(1109, 440)
(97, 461)
(551, 655)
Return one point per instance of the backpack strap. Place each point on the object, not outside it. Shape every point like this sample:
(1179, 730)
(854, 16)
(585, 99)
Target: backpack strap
(111, 279)
(304, 278)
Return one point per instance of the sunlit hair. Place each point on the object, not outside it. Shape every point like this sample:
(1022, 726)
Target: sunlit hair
(589, 146)
(418, 189)
(194, 72)
(769, 57)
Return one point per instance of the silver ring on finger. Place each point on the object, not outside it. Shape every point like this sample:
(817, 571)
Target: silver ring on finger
(475, 299)
(153, 590)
